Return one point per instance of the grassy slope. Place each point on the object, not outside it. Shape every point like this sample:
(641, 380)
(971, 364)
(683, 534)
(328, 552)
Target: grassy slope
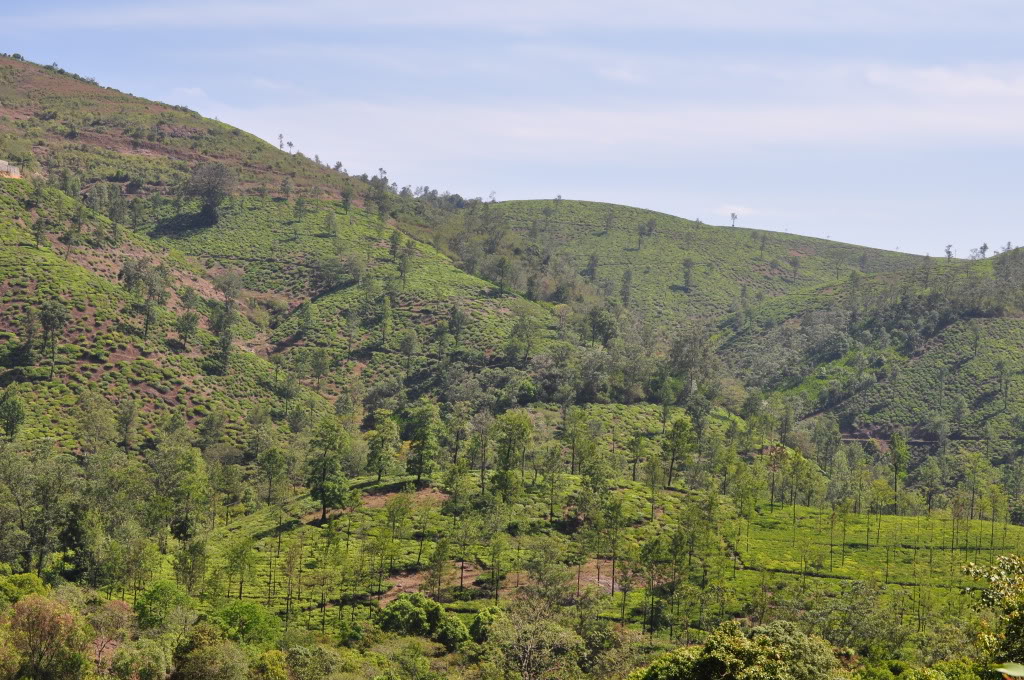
(107, 135)
(145, 147)
(927, 383)
(725, 259)
(103, 345)
(278, 253)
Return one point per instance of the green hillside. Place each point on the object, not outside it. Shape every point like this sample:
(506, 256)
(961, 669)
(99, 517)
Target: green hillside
(262, 418)
(679, 268)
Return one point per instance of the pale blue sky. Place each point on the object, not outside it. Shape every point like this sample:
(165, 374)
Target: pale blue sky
(892, 123)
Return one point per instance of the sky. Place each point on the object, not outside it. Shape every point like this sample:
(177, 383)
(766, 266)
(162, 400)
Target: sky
(897, 124)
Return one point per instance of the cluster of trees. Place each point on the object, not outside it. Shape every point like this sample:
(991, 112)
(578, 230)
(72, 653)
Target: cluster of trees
(897, 313)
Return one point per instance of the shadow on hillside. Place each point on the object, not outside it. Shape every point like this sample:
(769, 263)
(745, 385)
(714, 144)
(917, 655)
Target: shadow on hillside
(13, 375)
(279, 529)
(181, 226)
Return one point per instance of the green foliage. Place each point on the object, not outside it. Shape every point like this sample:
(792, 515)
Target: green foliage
(13, 587)
(411, 615)
(158, 603)
(249, 623)
(142, 659)
(418, 615)
(577, 426)
(219, 661)
(480, 628)
(778, 651)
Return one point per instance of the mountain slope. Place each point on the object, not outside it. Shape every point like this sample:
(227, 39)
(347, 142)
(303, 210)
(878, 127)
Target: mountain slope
(679, 268)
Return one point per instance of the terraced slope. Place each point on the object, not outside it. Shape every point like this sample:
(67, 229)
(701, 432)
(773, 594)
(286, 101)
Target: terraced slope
(103, 347)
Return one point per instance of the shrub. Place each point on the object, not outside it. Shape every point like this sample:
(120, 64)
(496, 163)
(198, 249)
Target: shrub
(451, 632)
(271, 665)
(50, 638)
(485, 619)
(247, 622)
(154, 607)
(13, 587)
(411, 615)
(313, 662)
(142, 659)
(778, 651)
(220, 661)
(419, 615)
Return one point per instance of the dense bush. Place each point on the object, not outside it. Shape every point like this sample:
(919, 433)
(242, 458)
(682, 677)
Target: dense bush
(778, 651)
(416, 614)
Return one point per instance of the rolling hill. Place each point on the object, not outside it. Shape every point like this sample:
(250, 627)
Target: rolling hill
(575, 424)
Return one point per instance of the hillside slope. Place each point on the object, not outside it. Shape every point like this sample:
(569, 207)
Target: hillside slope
(677, 268)
(105, 345)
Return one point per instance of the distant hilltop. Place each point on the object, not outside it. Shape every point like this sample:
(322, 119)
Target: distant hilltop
(9, 170)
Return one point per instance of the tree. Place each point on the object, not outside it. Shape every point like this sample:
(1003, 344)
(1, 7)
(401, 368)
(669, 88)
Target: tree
(218, 661)
(211, 183)
(29, 332)
(733, 217)
(331, 224)
(899, 456)
(40, 228)
(688, 273)
(679, 444)
(383, 442)
(190, 298)
(512, 432)
(12, 412)
(553, 469)
(96, 421)
(222, 357)
(53, 317)
(190, 563)
(395, 244)
(626, 289)
(502, 272)
(409, 346)
(530, 642)
(156, 606)
(1003, 591)
(458, 319)
(404, 266)
(249, 623)
(387, 319)
(327, 482)
(424, 423)
(272, 464)
(645, 230)
(51, 638)
(187, 325)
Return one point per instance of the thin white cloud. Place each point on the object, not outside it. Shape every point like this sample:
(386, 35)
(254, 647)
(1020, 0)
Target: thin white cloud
(621, 74)
(968, 81)
(260, 83)
(189, 92)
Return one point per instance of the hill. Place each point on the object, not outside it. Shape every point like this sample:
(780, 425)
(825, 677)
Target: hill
(262, 418)
(667, 268)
